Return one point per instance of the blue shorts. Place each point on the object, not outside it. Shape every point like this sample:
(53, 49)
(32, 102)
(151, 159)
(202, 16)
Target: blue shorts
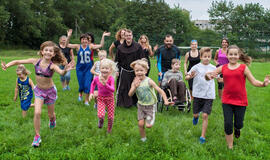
(84, 77)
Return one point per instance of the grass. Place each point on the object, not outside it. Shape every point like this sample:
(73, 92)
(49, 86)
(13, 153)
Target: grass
(172, 137)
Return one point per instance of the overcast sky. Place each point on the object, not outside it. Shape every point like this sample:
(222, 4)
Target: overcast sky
(198, 8)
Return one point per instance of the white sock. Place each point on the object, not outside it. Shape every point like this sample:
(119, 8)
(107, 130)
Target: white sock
(143, 139)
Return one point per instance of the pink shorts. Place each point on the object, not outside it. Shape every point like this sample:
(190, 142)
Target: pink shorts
(48, 95)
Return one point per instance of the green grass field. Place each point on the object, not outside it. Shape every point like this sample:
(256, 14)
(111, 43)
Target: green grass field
(172, 137)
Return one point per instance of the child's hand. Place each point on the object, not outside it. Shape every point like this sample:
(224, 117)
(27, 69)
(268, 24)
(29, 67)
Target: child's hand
(69, 32)
(116, 74)
(167, 103)
(69, 67)
(91, 96)
(3, 65)
(102, 80)
(15, 98)
(136, 82)
(192, 74)
(266, 80)
(106, 33)
(210, 75)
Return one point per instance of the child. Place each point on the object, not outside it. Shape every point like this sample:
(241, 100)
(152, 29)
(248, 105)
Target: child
(45, 91)
(24, 85)
(145, 91)
(95, 70)
(234, 97)
(105, 85)
(85, 62)
(173, 79)
(203, 91)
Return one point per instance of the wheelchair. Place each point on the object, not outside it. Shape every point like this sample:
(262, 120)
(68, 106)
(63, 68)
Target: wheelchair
(185, 106)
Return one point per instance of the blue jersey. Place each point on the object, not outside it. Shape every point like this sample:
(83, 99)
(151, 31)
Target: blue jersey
(25, 93)
(83, 67)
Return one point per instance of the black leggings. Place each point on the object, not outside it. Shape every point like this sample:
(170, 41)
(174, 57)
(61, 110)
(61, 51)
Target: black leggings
(231, 112)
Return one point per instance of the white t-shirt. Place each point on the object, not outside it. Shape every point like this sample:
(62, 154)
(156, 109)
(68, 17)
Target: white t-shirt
(201, 87)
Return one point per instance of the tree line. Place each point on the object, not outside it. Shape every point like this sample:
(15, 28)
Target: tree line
(31, 22)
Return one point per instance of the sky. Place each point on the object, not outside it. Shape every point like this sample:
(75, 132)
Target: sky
(198, 8)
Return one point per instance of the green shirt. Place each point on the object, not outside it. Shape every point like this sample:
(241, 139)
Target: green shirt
(145, 93)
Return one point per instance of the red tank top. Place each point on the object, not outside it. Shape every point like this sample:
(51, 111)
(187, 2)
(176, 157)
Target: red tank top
(234, 86)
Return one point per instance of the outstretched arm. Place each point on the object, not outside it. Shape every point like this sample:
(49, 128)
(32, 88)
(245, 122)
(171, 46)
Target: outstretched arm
(17, 62)
(97, 46)
(60, 71)
(214, 74)
(160, 91)
(254, 81)
(73, 46)
(31, 83)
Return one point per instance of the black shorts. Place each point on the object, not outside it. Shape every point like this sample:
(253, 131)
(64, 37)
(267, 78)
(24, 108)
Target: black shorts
(204, 105)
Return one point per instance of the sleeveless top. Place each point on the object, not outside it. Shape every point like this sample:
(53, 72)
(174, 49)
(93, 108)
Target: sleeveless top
(48, 73)
(234, 86)
(146, 94)
(84, 58)
(97, 67)
(66, 52)
(222, 58)
(25, 89)
(193, 60)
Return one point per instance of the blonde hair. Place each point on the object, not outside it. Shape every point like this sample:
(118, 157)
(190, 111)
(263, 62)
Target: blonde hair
(142, 62)
(21, 68)
(118, 34)
(205, 50)
(175, 60)
(59, 57)
(102, 52)
(109, 63)
(242, 56)
(147, 40)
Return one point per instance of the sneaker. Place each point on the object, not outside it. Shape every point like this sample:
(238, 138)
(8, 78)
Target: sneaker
(236, 133)
(95, 106)
(52, 124)
(195, 120)
(100, 123)
(80, 98)
(65, 88)
(202, 140)
(37, 141)
(68, 88)
(86, 103)
(143, 139)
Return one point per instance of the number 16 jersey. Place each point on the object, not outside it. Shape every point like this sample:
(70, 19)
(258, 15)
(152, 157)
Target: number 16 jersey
(83, 67)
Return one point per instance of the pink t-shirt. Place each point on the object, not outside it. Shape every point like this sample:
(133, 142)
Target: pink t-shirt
(103, 90)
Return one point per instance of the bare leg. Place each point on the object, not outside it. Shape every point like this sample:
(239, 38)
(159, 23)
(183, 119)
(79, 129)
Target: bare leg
(51, 112)
(38, 106)
(86, 97)
(204, 124)
(24, 113)
(196, 115)
(63, 84)
(141, 128)
(219, 93)
(229, 140)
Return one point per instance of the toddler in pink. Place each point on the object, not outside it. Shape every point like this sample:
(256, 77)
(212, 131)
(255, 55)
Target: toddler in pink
(105, 85)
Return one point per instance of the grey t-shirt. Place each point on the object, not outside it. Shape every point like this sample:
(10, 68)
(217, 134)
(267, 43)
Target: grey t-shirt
(170, 75)
(201, 87)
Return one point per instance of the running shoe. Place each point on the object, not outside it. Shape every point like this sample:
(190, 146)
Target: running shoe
(237, 133)
(52, 124)
(202, 140)
(37, 141)
(195, 120)
(100, 123)
(67, 88)
(80, 98)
